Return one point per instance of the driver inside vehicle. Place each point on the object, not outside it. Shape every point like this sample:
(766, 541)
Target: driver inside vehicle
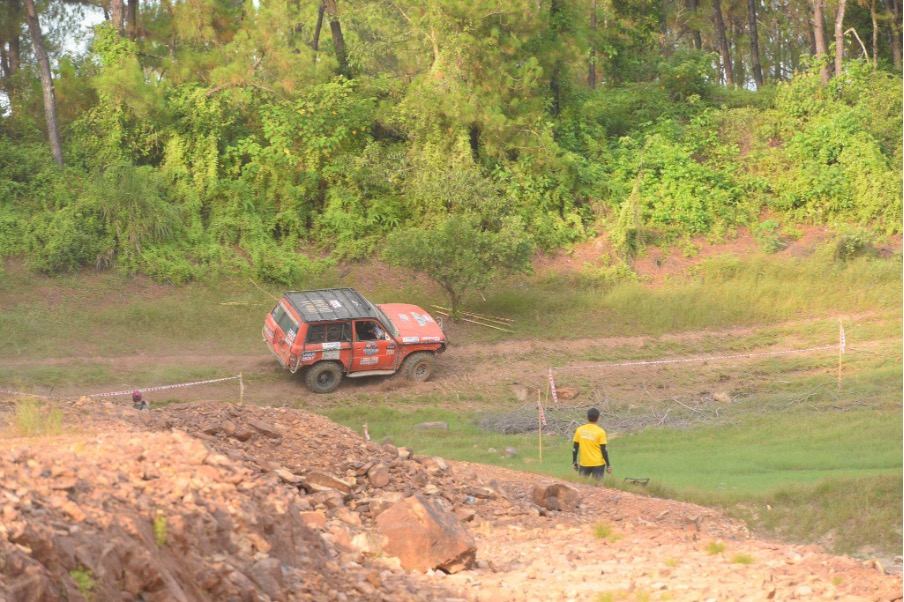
(369, 331)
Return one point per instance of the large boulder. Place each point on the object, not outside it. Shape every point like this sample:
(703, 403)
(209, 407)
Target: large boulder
(424, 535)
(556, 496)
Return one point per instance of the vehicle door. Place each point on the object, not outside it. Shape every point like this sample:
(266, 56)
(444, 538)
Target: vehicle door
(373, 348)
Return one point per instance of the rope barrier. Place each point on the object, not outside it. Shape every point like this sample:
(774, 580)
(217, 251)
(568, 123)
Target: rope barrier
(27, 394)
(142, 390)
(165, 387)
(698, 359)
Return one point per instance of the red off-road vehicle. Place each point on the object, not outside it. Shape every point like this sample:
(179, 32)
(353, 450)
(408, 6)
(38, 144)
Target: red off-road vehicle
(331, 332)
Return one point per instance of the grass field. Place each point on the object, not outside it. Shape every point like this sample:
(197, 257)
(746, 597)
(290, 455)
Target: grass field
(795, 453)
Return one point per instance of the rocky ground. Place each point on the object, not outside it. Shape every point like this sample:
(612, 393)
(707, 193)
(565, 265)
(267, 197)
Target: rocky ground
(216, 501)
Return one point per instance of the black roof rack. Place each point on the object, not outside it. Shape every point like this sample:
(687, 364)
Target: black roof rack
(329, 304)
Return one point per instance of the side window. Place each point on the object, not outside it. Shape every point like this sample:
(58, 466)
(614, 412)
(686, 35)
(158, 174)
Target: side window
(333, 332)
(316, 333)
(369, 331)
(285, 321)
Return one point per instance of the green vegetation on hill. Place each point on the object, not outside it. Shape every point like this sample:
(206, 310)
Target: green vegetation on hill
(227, 141)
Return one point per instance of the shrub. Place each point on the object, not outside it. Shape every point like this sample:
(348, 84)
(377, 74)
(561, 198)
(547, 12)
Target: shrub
(34, 418)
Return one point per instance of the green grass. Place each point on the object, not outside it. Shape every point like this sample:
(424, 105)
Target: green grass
(817, 471)
(760, 453)
(726, 291)
(36, 418)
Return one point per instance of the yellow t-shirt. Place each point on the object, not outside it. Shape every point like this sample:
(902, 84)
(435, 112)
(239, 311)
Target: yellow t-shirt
(589, 438)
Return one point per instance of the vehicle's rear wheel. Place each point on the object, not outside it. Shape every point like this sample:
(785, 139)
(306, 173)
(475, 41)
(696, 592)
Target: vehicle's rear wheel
(418, 366)
(323, 377)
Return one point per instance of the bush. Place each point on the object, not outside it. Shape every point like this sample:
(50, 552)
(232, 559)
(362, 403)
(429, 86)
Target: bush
(66, 240)
(853, 243)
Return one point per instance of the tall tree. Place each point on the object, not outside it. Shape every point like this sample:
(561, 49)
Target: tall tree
(591, 75)
(694, 25)
(754, 44)
(819, 34)
(338, 39)
(722, 41)
(319, 27)
(875, 20)
(117, 14)
(50, 113)
(9, 38)
(132, 18)
(893, 16)
(839, 37)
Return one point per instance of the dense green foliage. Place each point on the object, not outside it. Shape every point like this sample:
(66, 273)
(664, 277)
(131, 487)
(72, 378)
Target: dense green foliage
(220, 139)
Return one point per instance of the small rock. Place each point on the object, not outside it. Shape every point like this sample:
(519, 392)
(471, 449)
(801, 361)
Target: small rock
(722, 397)
(567, 393)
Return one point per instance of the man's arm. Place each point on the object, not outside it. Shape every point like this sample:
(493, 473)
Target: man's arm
(606, 456)
(574, 454)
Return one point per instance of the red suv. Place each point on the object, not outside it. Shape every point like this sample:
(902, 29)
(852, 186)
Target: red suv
(331, 332)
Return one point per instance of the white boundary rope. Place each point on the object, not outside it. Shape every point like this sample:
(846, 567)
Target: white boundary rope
(164, 387)
(142, 390)
(26, 394)
(698, 359)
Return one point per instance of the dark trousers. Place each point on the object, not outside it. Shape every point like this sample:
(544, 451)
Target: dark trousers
(597, 472)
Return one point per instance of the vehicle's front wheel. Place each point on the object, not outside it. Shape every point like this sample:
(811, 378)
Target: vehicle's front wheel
(418, 366)
(323, 377)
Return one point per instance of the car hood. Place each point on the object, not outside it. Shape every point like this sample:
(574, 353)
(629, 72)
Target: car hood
(413, 323)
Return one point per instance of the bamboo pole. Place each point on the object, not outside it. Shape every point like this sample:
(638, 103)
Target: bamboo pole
(478, 323)
(275, 298)
(482, 317)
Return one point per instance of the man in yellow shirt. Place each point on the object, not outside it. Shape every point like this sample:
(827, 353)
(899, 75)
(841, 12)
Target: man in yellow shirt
(590, 441)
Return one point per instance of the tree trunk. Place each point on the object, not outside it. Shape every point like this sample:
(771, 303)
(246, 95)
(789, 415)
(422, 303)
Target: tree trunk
(665, 48)
(695, 29)
(737, 32)
(37, 40)
(117, 13)
(591, 72)
(819, 33)
(754, 44)
(723, 43)
(338, 39)
(811, 31)
(875, 20)
(13, 55)
(132, 18)
(839, 38)
(316, 44)
(894, 15)
(779, 48)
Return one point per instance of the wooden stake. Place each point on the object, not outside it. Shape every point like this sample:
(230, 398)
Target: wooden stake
(540, 430)
(241, 390)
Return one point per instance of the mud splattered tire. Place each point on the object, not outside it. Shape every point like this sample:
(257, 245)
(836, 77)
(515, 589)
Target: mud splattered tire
(323, 377)
(418, 366)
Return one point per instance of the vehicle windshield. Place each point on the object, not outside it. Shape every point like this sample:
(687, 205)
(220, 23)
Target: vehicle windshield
(385, 320)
